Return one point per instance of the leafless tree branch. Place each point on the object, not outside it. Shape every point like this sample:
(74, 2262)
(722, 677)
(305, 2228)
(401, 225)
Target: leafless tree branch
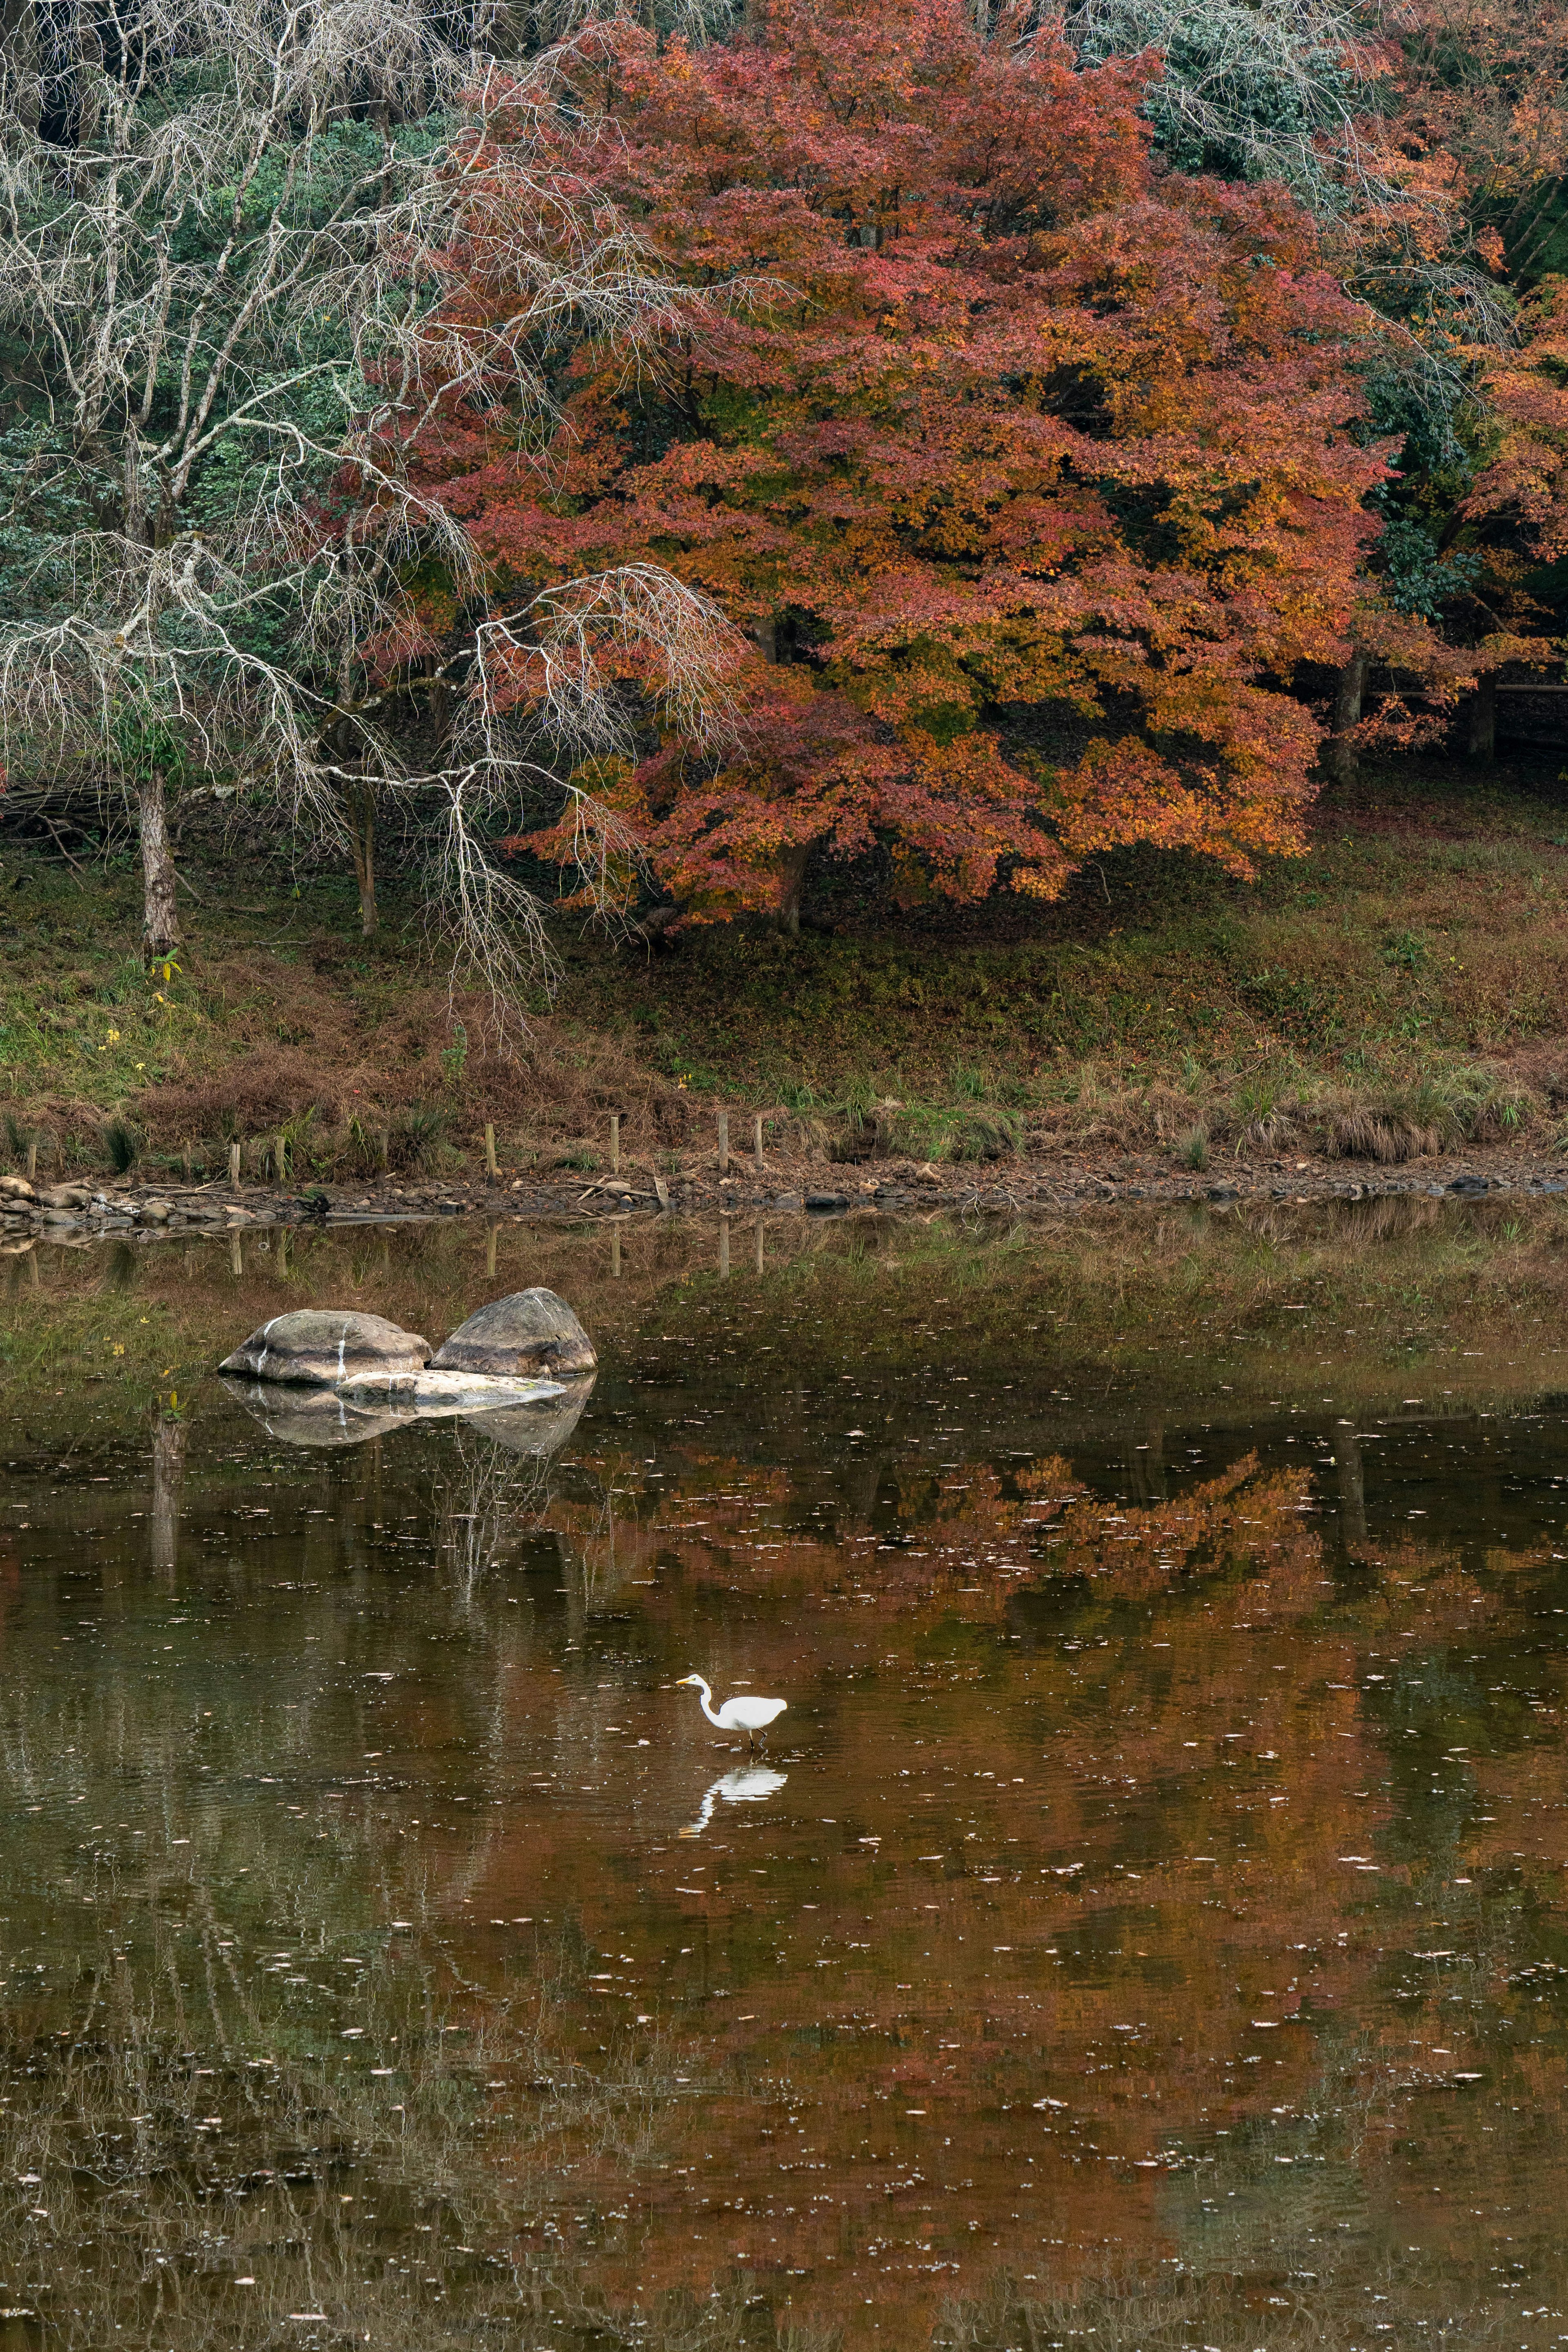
(235, 236)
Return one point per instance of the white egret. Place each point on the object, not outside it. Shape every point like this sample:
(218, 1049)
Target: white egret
(748, 1715)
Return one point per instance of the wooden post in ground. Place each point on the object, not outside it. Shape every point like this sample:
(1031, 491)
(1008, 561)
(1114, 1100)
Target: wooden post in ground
(723, 1143)
(384, 1149)
(32, 1159)
(490, 1252)
(188, 1168)
(1480, 732)
(234, 1156)
(615, 1143)
(757, 1144)
(492, 1171)
(615, 1253)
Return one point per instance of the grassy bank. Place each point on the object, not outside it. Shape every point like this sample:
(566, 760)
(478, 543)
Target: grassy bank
(1398, 990)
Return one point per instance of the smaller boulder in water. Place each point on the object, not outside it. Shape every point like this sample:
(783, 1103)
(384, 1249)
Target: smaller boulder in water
(531, 1332)
(321, 1347)
(447, 1392)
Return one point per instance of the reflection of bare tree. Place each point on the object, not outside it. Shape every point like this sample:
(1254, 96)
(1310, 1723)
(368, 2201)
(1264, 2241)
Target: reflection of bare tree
(595, 1565)
(493, 1501)
(169, 1436)
(508, 1486)
(502, 1485)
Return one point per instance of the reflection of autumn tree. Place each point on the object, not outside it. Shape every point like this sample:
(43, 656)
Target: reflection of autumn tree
(1519, 1821)
(1162, 1825)
(1115, 1819)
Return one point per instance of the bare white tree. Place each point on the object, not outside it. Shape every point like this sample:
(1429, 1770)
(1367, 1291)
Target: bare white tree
(1282, 89)
(227, 237)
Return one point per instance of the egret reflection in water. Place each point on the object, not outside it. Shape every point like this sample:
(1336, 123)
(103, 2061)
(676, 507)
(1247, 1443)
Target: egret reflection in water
(748, 1786)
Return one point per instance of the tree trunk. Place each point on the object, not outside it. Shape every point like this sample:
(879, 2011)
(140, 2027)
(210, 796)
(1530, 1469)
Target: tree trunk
(1481, 732)
(361, 800)
(792, 863)
(161, 920)
(1339, 753)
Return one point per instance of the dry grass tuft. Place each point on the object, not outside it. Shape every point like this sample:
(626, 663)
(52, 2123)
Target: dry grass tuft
(1387, 1137)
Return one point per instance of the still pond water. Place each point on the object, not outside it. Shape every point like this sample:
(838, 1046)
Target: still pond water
(1149, 1925)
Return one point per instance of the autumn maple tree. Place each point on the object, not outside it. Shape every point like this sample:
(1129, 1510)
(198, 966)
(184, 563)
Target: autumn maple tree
(1429, 139)
(1030, 469)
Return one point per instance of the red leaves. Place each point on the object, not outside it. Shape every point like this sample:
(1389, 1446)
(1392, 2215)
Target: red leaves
(1004, 422)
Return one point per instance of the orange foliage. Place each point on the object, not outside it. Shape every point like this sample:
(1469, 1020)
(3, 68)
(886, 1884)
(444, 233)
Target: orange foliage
(1527, 482)
(1483, 115)
(1030, 473)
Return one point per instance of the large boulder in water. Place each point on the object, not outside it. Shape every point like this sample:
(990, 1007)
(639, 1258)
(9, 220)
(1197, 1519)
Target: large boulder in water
(319, 1347)
(531, 1332)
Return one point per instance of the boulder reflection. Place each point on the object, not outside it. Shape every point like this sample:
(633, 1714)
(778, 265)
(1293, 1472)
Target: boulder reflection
(304, 1416)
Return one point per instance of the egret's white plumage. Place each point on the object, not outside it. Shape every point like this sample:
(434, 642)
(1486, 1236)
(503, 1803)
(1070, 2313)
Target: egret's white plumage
(748, 1715)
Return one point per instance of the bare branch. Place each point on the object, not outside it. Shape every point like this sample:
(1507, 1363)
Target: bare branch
(243, 292)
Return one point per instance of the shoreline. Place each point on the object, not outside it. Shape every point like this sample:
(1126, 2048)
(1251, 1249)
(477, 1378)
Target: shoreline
(76, 1209)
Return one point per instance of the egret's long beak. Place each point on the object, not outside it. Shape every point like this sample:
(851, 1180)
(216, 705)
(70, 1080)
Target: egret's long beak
(685, 1679)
